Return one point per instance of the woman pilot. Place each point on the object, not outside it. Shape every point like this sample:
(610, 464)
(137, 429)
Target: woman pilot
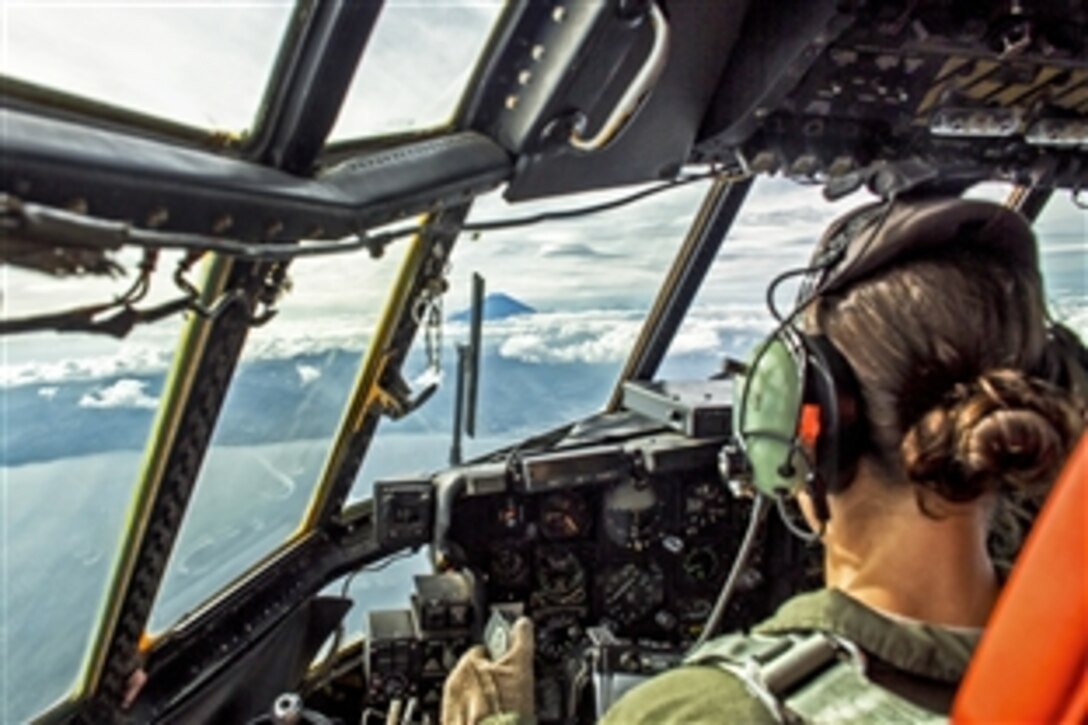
(929, 389)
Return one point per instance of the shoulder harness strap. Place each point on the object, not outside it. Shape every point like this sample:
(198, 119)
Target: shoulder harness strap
(812, 677)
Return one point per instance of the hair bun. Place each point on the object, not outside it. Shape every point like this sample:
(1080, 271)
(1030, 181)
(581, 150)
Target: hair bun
(1004, 430)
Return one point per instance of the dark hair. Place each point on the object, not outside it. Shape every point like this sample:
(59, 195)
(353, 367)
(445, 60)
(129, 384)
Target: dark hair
(943, 346)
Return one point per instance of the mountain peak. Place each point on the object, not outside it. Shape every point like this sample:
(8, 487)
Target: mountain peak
(497, 306)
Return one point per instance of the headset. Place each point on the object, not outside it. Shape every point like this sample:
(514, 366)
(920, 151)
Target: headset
(798, 413)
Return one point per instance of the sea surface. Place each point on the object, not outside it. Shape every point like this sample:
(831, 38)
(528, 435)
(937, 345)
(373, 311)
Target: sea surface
(64, 522)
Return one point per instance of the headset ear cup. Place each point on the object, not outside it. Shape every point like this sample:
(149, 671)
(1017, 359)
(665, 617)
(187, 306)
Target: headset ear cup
(765, 417)
(832, 386)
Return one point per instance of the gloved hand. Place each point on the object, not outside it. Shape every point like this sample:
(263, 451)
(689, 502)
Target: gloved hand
(478, 688)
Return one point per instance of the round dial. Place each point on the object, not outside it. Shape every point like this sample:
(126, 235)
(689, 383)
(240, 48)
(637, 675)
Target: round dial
(631, 592)
(557, 633)
(701, 565)
(564, 516)
(631, 515)
(560, 577)
(705, 504)
(508, 566)
(693, 613)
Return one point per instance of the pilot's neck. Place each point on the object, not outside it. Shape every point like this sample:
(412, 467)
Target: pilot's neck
(932, 565)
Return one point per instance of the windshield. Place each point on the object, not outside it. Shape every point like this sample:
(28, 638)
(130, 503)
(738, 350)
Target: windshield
(564, 303)
(76, 413)
(416, 65)
(201, 64)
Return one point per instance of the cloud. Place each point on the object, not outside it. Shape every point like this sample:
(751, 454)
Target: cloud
(592, 336)
(127, 360)
(606, 336)
(48, 392)
(125, 393)
(307, 373)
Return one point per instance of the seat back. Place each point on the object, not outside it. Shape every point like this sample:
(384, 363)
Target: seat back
(1032, 662)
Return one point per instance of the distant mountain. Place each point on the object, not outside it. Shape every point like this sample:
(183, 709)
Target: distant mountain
(497, 306)
(269, 403)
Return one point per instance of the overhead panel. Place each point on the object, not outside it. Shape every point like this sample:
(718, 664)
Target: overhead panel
(992, 89)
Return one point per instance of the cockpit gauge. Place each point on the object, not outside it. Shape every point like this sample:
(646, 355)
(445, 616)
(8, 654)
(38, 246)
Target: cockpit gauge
(557, 633)
(564, 516)
(509, 567)
(631, 514)
(705, 504)
(561, 579)
(633, 591)
(694, 609)
(701, 565)
(509, 514)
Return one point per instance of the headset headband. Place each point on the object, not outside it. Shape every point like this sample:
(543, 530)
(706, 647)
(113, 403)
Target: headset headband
(869, 238)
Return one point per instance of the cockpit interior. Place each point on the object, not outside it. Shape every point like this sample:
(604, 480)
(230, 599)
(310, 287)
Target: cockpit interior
(335, 332)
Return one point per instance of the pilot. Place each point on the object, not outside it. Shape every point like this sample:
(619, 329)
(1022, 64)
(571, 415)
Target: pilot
(931, 391)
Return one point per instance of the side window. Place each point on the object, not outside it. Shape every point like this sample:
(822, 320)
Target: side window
(1062, 229)
(76, 412)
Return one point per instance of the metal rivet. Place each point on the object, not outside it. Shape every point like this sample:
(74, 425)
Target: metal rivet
(558, 13)
(537, 52)
(524, 77)
(222, 223)
(511, 102)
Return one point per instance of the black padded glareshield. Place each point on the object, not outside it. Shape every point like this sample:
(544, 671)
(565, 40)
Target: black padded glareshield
(798, 413)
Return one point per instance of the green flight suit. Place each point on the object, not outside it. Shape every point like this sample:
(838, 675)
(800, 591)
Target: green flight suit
(921, 663)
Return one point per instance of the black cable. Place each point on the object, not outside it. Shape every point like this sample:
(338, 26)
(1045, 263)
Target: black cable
(487, 226)
(111, 234)
(809, 537)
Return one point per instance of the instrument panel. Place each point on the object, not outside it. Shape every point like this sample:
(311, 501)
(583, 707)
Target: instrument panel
(644, 555)
(616, 543)
(633, 538)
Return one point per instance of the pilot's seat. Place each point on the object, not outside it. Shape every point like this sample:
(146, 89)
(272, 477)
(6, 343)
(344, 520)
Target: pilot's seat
(1032, 663)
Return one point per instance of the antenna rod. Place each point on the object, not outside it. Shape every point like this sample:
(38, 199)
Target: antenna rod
(473, 362)
(458, 395)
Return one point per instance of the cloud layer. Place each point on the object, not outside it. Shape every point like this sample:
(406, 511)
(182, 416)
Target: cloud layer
(125, 393)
